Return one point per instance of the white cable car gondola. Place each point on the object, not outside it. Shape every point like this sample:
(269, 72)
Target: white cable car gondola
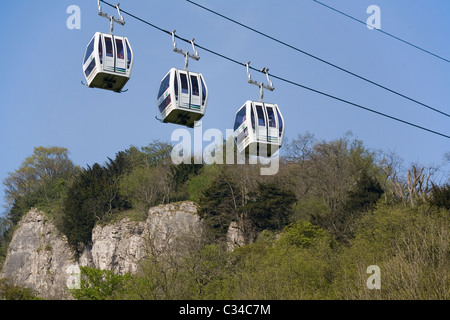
(259, 126)
(183, 95)
(108, 60)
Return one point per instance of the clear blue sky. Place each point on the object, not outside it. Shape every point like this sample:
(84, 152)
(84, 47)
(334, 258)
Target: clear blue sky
(43, 103)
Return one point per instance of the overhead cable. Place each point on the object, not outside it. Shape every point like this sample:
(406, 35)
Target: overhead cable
(321, 60)
(384, 32)
(281, 78)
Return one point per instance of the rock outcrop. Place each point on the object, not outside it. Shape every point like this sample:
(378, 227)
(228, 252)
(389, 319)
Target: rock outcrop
(40, 258)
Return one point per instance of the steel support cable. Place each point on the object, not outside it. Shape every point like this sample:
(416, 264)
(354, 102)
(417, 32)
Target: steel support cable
(283, 79)
(384, 32)
(321, 60)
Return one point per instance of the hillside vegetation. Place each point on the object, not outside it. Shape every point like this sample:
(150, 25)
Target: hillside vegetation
(309, 232)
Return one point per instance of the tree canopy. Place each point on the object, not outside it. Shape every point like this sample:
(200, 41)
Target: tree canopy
(333, 208)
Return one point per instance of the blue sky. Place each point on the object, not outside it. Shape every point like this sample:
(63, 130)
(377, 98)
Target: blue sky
(44, 104)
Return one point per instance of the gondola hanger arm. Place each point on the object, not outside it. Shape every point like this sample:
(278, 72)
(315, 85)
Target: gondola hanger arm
(261, 85)
(186, 54)
(120, 21)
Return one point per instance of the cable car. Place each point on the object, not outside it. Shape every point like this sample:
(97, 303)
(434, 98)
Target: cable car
(259, 128)
(108, 62)
(182, 97)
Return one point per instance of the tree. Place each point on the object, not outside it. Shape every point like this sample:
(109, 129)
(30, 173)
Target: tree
(326, 170)
(146, 187)
(44, 166)
(99, 284)
(40, 181)
(440, 196)
(94, 195)
(359, 200)
(415, 188)
(300, 234)
(219, 205)
(364, 195)
(269, 208)
(84, 205)
(157, 152)
(10, 291)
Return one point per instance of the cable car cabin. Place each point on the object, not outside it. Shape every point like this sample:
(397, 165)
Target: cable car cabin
(108, 62)
(259, 128)
(182, 97)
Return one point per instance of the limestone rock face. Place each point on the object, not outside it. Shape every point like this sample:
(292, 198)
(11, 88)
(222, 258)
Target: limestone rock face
(40, 258)
(120, 246)
(235, 237)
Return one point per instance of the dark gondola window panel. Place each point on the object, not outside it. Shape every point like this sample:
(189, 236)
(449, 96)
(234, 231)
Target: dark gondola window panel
(89, 50)
(120, 51)
(184, 83)
(165, 103)
(195, 87)
(90, 68)
(271, 117)
(109, 47)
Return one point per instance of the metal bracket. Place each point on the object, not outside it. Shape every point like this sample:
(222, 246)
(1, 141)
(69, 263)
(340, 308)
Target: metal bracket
(261, 85)
(186, 54)
(120, 21)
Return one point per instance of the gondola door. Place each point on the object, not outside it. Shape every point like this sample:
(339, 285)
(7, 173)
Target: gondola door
(261, 122)
(120, 62)
(272, 125)
(109, 60)
(185, 97)
(196, 103)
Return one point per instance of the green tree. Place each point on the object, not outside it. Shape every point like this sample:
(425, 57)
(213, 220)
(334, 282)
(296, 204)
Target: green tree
(94, 196)
(269, 208)
(199, 183)
(99, 284)
(361, 199)
(180, 177)
(440, 196)
(219, 205)
(41, 180)
(84, 205)
(300, 234)
(38, 170)
(9, 291)
(146, 187)
(157, 152)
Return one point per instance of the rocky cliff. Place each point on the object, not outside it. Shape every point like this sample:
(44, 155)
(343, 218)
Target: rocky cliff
(40, 258)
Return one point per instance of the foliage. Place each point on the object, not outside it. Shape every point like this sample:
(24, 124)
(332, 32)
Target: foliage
(410, 246)
(302, 262)
(440, 196)
(43, 166)
(99, 284)
(202, 181)
(180, 176)
(91, 198)
(218, 206)
(145, 187)
(300, 234)
(269, 208)
(359, 200)
(40, 181)
(9, 291)
(310, 231)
